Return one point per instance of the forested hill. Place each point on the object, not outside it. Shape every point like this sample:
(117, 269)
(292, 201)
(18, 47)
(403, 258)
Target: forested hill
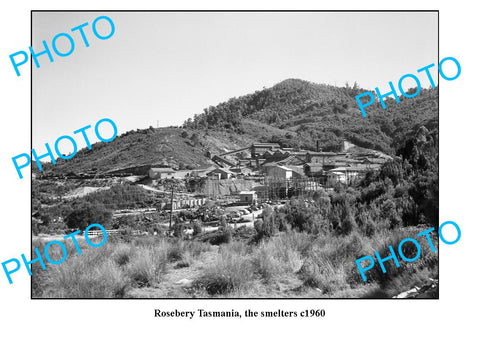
(308, 112)
(295, 113)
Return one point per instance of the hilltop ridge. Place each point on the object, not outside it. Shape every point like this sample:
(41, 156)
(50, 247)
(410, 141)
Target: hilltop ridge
(294, 113)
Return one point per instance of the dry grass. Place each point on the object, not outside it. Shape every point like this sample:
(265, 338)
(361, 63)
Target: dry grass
(148, 265)
(232, 272)
(89, 275)
(289, 264)
(276, 259)
(108, 271)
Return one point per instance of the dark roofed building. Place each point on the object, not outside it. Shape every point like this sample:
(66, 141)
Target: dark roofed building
(258, 149)
(319, 157)
(291, 160)
(241, 170)
(222, 161)
(220, 173)
(313, 169)
(267, 154)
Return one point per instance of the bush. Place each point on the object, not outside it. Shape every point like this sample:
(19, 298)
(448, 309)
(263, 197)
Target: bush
(302, 217)
(87, 213)
(276, 258)
(89, 275)
(267, 226)
(348, 225)
(197, 228)
(175, 251)
(318, 272)
(109, 271)
(221, 236)
(148, 265)
(195, 248)
(266, 265)
(230, 273)
(122, 254)
(178, 230)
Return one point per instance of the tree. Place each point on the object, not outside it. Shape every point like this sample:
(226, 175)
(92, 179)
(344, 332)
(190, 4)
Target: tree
(179, 230)
(197, 228)
(266, 227)
(87, 213)
(195, 139)
(348, 224)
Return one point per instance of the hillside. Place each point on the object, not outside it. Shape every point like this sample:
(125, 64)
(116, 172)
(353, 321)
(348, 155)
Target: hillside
(294, 113)
(307, 112)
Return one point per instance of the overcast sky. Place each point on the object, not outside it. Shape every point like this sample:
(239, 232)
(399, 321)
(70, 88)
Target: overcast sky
(169, 66)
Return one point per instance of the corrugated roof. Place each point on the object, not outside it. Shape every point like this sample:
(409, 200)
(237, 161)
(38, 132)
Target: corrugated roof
(347, 168)
(222, 170)
(266, 144)
(270, 164)
(297, 169)
(314, 165)
(284, 168)
(347, 160)
(326, 153)
(290, 158)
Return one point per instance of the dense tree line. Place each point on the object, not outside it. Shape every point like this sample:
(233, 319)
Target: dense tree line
(404, 192)
(310, 112)
(96, 207)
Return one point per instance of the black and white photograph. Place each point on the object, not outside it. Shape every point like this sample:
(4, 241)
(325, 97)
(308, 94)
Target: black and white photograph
(235, 154)
(244, 170)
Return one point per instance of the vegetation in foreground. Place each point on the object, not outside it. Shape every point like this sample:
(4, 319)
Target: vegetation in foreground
(289, 264)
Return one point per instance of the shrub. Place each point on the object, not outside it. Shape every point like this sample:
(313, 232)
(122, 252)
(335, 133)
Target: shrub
(122, 254)
(275, 258)
(230, 273)
(178, 230)
(195, 248)
(197, 228)
(348, 225)
(221, 236)
(267, 226)
(175, 251)
(366, 224)
(302, 217)
(148, 265)
(89, 275)
(266, 265)
(320, 273)
(87, 213)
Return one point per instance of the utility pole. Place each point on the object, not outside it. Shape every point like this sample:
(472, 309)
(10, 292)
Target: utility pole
(171, 208)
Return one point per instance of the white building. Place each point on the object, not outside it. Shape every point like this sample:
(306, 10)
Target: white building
(278, 172)
(248, 197)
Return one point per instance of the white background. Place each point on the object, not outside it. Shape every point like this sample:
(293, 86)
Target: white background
(454, 315)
